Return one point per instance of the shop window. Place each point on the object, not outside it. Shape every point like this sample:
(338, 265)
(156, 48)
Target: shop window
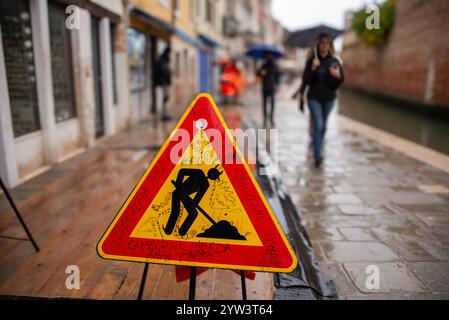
(137, 43)
(61, 63)
(113, 67)
(177, 65)
(209, 11)
(15, 21)
(186, 65)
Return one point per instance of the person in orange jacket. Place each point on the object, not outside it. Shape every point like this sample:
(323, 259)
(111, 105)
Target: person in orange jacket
(231, 81)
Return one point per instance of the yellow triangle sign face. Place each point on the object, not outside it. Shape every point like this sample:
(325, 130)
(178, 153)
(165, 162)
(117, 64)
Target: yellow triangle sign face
(199, 205)
(220, 200)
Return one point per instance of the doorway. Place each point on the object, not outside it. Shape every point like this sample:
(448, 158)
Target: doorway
(99, 116)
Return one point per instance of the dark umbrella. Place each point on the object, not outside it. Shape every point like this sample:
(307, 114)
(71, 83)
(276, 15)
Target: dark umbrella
(260, 51)
(306, 38)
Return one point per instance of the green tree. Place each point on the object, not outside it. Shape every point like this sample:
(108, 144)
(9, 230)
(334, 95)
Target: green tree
(374, 37)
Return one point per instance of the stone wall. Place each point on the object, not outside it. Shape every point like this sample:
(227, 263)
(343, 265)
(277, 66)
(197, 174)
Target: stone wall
(414, 62)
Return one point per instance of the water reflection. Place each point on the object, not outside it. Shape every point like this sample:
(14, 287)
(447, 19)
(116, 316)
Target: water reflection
(425, 130)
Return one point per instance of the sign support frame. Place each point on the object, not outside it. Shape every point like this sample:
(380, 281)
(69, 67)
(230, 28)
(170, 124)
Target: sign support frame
(142, 281)
(192, 284)
(19, 217)
(243, 281)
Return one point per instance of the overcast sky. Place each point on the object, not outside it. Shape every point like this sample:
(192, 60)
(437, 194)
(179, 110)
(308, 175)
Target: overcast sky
(298, 14)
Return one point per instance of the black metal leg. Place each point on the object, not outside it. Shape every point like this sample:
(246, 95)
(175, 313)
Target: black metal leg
(16, 211)
(142, 282)
(242, 276)
(192, 286)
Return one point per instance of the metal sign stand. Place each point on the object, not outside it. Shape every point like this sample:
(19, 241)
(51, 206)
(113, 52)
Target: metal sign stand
(142, 282)
(242, 277)
(16, 211)
(192, 284)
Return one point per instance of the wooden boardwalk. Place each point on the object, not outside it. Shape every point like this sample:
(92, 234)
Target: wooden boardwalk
(68, 208)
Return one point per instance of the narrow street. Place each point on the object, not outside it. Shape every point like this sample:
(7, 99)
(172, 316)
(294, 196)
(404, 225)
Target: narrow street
(114, 155)
(368, 205)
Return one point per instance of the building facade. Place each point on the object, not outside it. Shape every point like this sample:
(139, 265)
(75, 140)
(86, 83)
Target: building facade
(75, 71)
(58, 69)
(208, 24)
(185, 49)
(241, 30)
(149, 32)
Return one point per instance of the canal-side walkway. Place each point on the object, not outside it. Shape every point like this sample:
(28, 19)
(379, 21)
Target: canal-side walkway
(372, 207)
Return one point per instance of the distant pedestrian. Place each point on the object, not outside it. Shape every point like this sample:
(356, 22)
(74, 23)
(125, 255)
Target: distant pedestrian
(162, 78)
(323, 74)
(230, 80)
(269, 72)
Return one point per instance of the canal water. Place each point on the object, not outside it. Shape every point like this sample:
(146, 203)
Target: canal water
(426, 130)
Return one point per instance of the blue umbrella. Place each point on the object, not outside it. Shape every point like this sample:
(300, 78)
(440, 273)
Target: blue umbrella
(260, 51)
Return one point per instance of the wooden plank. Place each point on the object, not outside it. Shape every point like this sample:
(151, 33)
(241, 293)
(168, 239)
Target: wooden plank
(92, 267)
(227, 285)
(130, 287)
(261, 288)
(154, 276)
(71, 239)
(13, 254)
(51, 205)
(110, 282)
(206, 285)
(168, 288)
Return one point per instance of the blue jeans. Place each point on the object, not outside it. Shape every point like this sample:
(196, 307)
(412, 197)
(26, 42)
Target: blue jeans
(320, 112)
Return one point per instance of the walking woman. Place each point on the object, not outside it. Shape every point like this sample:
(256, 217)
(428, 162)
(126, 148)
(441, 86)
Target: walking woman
(323, 75)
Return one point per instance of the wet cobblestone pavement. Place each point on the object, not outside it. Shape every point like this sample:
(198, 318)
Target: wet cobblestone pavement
(368, 205)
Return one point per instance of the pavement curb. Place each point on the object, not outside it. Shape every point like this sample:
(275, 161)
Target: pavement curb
(407, 147)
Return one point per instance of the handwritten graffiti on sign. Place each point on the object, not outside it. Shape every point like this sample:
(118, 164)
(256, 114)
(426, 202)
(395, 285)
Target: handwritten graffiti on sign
(195, 207)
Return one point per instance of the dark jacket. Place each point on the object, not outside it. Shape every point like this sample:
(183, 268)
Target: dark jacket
(270, 77)
(322, 85)
(161, 72)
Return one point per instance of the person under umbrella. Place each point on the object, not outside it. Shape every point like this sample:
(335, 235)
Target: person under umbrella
(162, 78)
(323, 74)
(260, 51)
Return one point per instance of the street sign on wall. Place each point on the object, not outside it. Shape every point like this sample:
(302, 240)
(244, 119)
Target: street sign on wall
(198, 204)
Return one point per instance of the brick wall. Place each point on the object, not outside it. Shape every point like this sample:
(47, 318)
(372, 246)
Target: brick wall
(414, 62)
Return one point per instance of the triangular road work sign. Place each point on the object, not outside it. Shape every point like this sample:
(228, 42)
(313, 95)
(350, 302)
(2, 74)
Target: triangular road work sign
(198, 204)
